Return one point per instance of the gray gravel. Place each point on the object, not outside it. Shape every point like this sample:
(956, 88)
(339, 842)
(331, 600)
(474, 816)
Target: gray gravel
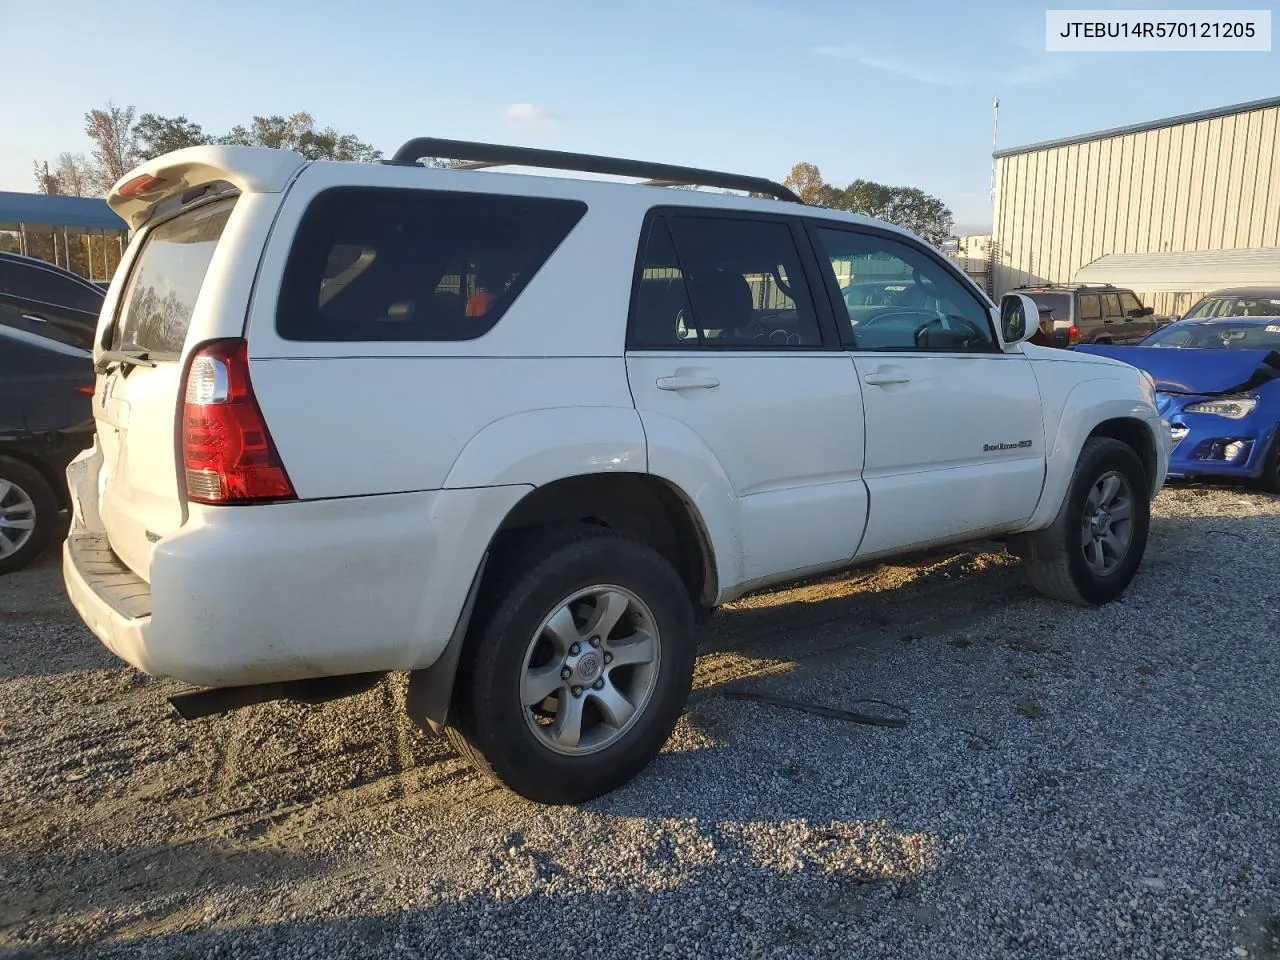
(1069, 783)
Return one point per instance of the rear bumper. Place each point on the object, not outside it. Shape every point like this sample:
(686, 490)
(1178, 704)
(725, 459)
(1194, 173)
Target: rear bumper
(278, 592)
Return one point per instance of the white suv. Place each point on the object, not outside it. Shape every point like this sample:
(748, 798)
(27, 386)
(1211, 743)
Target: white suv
(516, 434)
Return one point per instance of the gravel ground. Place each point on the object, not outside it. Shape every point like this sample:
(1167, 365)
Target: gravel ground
(1067, 783)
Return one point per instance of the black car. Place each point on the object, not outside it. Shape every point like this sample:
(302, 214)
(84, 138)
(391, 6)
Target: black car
(47, 321)
(1092, 314)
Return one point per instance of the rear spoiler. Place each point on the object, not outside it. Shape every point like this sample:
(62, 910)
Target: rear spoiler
(248, 169)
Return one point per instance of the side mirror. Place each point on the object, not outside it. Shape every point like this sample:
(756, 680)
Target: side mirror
(1148, 311)
(1016, 323)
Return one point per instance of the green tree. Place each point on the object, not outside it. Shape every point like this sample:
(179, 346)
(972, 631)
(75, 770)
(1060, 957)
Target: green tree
(907, 207)
(157, 135)
(298, 132)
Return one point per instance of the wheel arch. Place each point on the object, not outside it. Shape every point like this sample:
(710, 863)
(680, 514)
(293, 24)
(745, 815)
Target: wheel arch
(649, 508)
(1110, 407)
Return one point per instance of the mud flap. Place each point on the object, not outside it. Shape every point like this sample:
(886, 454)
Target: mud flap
(431, 689)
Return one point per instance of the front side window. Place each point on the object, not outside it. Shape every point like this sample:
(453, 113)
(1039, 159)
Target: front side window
(1128, 302)
(927, 308)
(166, 279)
(388, 264)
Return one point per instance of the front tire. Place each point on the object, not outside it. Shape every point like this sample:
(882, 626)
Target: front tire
(578, 664)
(28, 514)
(1090, 553)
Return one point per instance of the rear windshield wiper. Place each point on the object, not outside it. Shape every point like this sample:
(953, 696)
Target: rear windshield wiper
(125, 358)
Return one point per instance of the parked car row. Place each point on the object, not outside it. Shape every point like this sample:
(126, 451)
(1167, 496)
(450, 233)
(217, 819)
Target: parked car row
(1216, 369)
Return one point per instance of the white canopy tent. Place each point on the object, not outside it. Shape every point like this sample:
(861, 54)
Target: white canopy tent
(1185, 271)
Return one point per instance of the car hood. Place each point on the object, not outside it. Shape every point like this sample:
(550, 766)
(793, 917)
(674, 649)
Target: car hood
(1186, 370)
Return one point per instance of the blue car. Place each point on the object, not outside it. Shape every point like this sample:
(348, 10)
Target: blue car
(1218, 385)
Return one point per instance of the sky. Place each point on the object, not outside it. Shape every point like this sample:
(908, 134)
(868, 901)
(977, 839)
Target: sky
(896, 92)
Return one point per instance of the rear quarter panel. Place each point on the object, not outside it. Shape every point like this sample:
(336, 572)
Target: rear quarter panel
(541, 395)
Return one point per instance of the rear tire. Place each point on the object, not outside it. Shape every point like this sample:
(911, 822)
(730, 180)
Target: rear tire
(1067, 561)
(28, 514)
(537, 706)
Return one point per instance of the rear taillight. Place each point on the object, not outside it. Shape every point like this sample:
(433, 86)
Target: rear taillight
(227, 452)
(87, 389)
(1073, 335)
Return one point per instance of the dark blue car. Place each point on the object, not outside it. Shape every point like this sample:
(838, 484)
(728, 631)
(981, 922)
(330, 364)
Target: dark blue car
(1218, 383)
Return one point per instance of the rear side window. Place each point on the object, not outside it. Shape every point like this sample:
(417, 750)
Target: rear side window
(1090, 307)
(166, 279)
(378, 264)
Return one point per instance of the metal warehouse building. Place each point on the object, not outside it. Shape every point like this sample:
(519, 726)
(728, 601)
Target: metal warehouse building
(1172, 209)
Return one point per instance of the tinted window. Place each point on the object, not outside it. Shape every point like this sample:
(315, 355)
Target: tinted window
(387, 264)
(1053, 306)
(1112, 303)
(166, 279)
(932, 310)
(32, 282)
(742, 284)
(661, 315)
(1090, 306)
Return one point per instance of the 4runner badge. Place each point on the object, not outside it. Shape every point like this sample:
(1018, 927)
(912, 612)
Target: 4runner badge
(987, 447)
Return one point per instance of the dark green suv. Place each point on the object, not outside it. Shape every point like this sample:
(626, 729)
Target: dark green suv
(1092, 314)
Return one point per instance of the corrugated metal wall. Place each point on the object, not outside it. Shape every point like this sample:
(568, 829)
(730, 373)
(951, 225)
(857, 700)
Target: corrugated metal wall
(1205, 185)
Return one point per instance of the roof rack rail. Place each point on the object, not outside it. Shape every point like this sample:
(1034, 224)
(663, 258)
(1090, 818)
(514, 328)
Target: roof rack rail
(476, 156)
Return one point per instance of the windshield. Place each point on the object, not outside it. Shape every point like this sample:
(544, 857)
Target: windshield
(1262, 304)
(1217, 336)
(1058, 305)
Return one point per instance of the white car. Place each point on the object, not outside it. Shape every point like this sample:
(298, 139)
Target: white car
(515, 434)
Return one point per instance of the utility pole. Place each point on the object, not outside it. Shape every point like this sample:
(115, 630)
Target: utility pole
(995, 139)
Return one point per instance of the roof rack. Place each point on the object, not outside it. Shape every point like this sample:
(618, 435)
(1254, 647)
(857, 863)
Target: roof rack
(478, 156)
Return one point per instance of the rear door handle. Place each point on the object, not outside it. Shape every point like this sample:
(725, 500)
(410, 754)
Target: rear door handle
(34, 318)
(879, 379)
(687, 383)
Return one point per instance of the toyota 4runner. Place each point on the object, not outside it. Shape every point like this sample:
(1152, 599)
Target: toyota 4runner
(516, 434)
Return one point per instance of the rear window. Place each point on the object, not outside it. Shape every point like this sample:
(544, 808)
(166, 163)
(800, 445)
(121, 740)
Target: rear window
(1057, 305)
(376, 264)
(166, 279)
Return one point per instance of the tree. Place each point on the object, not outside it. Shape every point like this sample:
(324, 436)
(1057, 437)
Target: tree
(805, 181)
(907, 207)
(115, 142)
(119, 144)
(75, 174)
(46, 180)
(72, 177)
(298, 132)
(157, 135)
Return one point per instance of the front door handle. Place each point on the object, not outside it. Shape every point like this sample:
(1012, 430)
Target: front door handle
(687, 383)
(879, 379)
(34, 318)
